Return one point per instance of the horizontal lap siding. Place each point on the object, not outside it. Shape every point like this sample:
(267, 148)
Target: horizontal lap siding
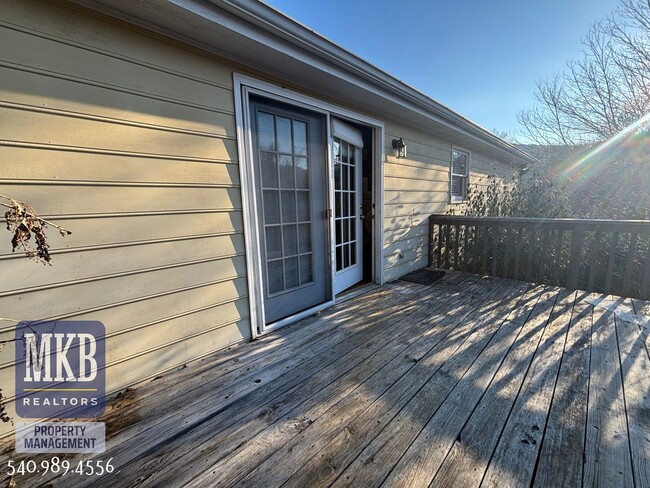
(130, 143)
(415, 188)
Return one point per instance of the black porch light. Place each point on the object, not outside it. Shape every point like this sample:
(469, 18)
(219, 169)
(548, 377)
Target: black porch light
(400, 148)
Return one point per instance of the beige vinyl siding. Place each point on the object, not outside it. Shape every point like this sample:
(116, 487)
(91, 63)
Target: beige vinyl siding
(128, 141)
(415, 188)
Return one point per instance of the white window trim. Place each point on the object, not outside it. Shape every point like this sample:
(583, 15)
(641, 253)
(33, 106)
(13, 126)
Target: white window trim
(456, 198)
(243, 87)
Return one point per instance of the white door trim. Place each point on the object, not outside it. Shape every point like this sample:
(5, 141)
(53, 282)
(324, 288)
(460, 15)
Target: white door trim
(243, 87)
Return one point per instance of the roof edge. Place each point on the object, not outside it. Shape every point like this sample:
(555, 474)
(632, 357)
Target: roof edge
(277, 23)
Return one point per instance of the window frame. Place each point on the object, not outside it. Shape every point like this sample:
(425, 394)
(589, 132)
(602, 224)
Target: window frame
(459, 198)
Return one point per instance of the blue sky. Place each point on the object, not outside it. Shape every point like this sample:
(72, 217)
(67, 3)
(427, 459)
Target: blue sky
(479, 57)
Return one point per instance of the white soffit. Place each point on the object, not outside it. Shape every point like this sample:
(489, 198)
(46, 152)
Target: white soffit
(253, 34)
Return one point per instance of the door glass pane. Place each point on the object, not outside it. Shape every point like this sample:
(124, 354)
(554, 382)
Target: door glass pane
(273, 242)
(304, 237)
(286, 171)
(337, 176)
(269, 170)
(299, 138)
(288, 206)
(271, 207)
(345, 205)
(303, 206)
(353, 254)
(284, 135)
(291, 277)
(275, 276)
(266, 128)
(306, 269)
(302, 173)
(339, 231)
(290, 236)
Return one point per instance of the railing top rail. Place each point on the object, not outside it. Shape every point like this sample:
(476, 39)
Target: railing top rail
(608, 225)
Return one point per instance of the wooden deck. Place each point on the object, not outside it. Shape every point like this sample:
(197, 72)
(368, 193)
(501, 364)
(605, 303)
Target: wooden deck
(469, 382)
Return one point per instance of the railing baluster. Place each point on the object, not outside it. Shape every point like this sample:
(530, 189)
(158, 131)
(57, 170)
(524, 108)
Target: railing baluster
(506, 256)
(531, 253)
(520, 231)
(645, 282)
(610, 263)
(594, 259)
(495, 252)
(542, 255)
(439, 246)
(484, 250)
(475, 250)
(629, 264)
(465, 248)
(447, 242)
(457, 243)
(558, 257)
(574, 258)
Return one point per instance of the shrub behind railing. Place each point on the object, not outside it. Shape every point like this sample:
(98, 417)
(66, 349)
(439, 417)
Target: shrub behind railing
(605, 256)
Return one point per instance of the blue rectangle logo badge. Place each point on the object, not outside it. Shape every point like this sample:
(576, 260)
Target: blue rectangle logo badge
(60, 369)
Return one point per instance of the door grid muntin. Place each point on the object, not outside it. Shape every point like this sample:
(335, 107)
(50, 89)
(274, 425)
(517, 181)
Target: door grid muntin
(345, 203)
(285, 169)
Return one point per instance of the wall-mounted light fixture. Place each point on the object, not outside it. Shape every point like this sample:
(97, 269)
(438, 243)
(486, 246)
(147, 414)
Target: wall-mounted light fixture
(400, 148)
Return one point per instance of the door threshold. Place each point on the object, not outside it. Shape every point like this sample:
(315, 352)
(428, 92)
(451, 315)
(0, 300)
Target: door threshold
(296, 317)
(355, 292)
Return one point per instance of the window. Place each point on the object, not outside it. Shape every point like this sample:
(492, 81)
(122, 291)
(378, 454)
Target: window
(459, 175)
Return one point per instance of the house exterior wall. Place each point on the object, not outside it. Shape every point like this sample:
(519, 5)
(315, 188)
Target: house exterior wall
(416, 187)
(130, 142)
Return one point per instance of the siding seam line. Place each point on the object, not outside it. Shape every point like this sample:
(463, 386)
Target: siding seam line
(121, 303)
(146, 213)
(122, 274)
(142, 184)
(110, 152)
(142, 242)
(111, 54)
(116, 88)
(112, 120)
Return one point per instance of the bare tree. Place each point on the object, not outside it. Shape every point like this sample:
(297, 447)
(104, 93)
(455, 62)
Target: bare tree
(604, 91)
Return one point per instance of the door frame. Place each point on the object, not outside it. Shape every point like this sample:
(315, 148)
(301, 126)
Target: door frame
(244, 86)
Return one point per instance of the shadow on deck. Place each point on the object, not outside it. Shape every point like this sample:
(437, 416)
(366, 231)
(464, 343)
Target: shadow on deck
(468, 382)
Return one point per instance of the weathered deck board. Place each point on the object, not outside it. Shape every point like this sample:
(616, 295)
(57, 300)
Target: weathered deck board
(562, 451)
(513, 461)
(396, 381)
(262, 408)
(607, 450)
(635, 369)
(391, 427)
(468, 458)
(412, 385)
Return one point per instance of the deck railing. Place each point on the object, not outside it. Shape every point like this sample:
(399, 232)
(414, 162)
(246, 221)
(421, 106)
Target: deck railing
(606, 256)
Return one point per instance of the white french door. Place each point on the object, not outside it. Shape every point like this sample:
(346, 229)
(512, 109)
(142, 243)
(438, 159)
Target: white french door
(347, 143)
